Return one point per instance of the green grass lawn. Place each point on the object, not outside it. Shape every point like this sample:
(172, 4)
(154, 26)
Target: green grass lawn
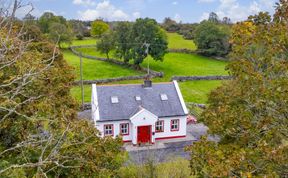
(92, 52)
(93, 69)
(176, 41)
(198, 91)
(85, 41)
(187, 64)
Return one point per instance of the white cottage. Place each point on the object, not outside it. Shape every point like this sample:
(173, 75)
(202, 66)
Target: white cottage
(139, 113)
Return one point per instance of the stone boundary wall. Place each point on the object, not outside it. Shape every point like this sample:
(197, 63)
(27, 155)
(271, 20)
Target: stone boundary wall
(110, 80)
(202, 106)
(114, 61)
(183, 50)
(195, 78)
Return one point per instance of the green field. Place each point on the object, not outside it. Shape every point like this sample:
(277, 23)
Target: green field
(94, 69)
(174, 64)
(176, 41)
(177, 64)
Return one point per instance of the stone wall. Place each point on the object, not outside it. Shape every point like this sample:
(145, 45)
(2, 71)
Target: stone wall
(110, 80)
(193, 78)
(184, 50)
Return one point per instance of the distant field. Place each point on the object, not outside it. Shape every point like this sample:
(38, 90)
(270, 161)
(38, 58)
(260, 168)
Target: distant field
(176, 41)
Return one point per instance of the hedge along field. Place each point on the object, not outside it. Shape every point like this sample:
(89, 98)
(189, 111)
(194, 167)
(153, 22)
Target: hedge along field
(176, 41)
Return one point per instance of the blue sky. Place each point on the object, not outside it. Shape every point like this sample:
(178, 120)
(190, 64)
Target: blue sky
(180, 10)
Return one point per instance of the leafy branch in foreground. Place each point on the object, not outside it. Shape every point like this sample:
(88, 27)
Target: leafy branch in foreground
(250, 113)
(40, 134)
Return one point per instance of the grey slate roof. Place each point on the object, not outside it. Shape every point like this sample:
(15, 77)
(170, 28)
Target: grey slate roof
(128, 106)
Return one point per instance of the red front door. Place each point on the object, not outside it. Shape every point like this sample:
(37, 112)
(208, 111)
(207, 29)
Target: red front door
(144, 134)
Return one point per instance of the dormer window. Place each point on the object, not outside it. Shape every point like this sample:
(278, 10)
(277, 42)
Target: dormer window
(137, 98)
(164, 97)
(114, 100)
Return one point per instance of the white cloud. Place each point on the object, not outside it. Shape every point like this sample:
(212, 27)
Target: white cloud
(84, 2)
(206, 1)
(237, 12)
(103, 10)
(136, 15)
(177, 18)
(175, 3)
(204, 16)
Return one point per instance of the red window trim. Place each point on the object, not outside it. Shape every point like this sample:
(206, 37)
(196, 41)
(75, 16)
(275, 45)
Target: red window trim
(174, 130)
(112, 129)
(162, 126)
(127, 128)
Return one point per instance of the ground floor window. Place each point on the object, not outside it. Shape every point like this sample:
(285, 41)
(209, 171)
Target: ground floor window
(124, 129)
(159, 126)
(108, 130)
(175, 125)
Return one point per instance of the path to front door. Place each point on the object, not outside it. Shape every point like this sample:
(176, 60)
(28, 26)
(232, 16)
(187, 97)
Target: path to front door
(144, 134)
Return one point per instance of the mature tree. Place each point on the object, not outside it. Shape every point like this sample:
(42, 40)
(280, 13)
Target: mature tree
(227, 21)
(123, 40)
(45, 20)
(78, 28)
(212, 39)
(170, 25)
(188, 31)
(106, 43)
(40, 134)
(213, 17)
(261, 18)
(148, 31)
(99, 27)
(59, 33)
(250, 112)
(29, 19)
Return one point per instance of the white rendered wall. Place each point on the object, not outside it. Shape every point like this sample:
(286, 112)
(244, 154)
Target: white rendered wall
(116, 127)
(167, 127)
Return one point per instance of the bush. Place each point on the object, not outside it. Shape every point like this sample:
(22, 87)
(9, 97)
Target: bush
(176, 168)
(79, 37)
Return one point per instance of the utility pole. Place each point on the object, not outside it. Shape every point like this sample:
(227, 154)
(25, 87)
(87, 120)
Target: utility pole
(81, 78)
(147, 45)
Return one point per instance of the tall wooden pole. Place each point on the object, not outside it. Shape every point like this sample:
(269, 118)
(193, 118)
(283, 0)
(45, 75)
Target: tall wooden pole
(81, 78)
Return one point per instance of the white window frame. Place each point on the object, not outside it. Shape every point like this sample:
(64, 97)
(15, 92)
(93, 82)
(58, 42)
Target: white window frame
(175, 125)
(126, 128)
(159, 125)
(108, 130)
